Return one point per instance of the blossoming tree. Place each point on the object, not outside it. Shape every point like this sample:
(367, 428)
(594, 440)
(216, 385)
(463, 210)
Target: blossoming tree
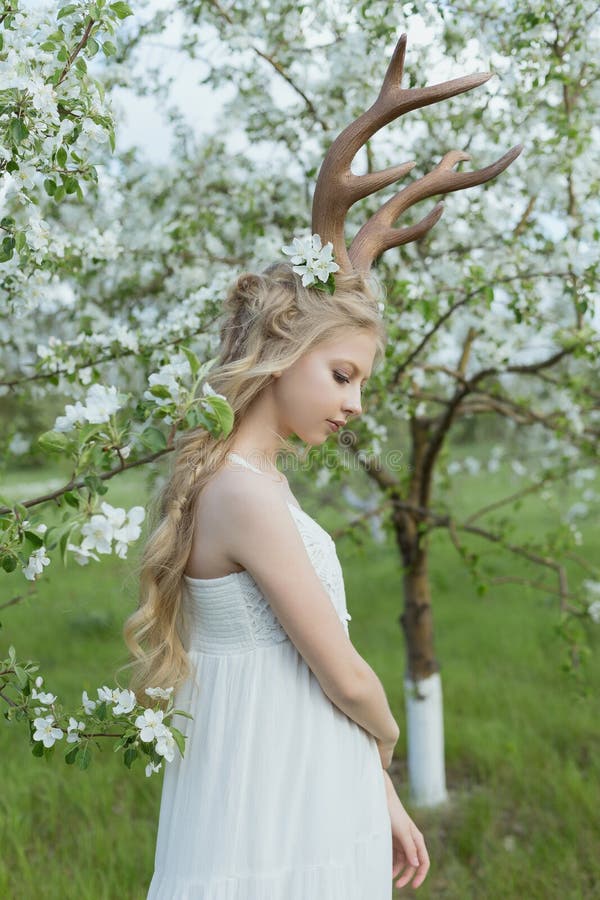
(113, 276)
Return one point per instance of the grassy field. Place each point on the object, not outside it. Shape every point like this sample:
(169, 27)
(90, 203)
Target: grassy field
(522, 740)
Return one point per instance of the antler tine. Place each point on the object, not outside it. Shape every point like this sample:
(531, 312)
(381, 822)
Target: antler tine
(338, 188)
(377, 235)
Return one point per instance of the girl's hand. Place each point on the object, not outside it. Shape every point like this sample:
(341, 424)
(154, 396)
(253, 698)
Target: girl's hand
(408, 844)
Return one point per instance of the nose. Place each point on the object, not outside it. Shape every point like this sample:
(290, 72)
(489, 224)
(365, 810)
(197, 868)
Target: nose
(352, 405)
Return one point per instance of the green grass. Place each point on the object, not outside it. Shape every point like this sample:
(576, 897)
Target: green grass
(522, 741)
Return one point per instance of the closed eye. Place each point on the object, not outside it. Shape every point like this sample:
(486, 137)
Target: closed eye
(342, 379)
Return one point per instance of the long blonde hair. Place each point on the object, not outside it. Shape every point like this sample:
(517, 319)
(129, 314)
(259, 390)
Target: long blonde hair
(269, 321)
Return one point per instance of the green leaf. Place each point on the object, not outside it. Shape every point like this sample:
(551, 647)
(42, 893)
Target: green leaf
(71, 754)
(18, 130)
(22, 676)
(71, 184)
(129, 756)
(221, 412)
(33, 538)
(181, 712)
(72, 499)
(121, 10)
(153, 438)
(92, 47)
(66, 10)
(95, 484)
(9, 563)
(109, 48)
(193, 417)
(191, 358)
(53, 441)
(38, 749)
(64, 540)
(179, 739)
(160, 390)
(61, 157)
(84, 757)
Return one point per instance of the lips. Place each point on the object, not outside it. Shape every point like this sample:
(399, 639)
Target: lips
(334, 425)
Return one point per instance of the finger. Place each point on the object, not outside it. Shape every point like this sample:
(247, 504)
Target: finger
(425, 864)
(405, 878)
(410, 850)
(398, 863)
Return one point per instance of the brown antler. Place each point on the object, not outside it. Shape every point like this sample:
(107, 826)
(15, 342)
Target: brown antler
(338, 188)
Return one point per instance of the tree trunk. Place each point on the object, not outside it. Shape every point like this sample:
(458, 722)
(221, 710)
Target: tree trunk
(422, 680)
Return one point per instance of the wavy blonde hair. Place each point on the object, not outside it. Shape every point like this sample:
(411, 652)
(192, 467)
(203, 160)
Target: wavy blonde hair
(269, 321)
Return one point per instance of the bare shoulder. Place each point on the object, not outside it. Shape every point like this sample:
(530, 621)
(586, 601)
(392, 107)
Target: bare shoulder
(232, 489)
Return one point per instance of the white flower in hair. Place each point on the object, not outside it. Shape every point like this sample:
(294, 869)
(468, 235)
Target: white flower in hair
(311, 260)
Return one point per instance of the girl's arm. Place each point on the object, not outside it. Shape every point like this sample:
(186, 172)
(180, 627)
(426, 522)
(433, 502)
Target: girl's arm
(368, 706)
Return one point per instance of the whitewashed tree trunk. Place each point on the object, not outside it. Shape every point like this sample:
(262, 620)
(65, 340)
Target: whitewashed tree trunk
(425, 740)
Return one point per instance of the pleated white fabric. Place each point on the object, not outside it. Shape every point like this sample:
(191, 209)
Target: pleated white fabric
(280, 796)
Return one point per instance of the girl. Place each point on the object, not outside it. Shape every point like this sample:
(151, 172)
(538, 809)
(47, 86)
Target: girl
(283, 792)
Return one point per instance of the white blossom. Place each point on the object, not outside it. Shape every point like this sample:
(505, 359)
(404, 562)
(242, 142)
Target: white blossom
(88, 705)
(165, 743)
(35, 564)
(310, 259)
(126, 702)
(97, 534)
(45, 731)
(72, 729)
(152, 767)
(45, 698)
(100, 403)
(150, 724)
(82, 556)
(594, 611)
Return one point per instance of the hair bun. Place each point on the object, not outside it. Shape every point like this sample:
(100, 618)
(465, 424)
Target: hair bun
(247, 289)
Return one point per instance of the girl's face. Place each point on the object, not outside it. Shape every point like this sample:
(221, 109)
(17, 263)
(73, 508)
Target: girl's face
(325, 383)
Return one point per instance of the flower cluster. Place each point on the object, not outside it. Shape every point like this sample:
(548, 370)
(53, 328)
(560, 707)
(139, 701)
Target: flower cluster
(100, 403)
(171, 378)
(146, 730)
(113, 523)
(316, 263)
(313, 261)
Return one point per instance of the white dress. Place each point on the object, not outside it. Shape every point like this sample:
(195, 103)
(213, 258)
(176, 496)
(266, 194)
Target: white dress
(280, 795)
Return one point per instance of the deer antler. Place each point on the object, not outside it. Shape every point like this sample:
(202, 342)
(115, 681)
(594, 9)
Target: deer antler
(338, 188)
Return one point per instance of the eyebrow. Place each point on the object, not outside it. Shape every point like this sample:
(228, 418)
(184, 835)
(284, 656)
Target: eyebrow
(352, 365)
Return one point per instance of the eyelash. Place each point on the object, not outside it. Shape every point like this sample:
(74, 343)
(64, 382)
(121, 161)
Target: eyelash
(342, 379)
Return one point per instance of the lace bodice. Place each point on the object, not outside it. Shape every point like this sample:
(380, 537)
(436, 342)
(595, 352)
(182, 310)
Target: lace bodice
(231, 615)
